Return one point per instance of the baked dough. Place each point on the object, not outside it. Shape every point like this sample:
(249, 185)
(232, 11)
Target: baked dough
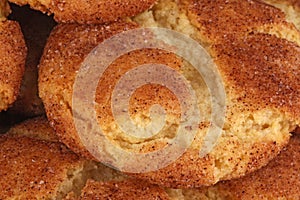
(253, 54)
(278, 180)
(97, 11)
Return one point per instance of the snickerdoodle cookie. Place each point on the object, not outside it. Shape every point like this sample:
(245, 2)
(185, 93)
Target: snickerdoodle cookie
(256, 52)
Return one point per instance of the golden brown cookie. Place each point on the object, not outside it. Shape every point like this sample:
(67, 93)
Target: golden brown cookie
(12, 58)
(278, 180)
(90, 12)
(262, 89)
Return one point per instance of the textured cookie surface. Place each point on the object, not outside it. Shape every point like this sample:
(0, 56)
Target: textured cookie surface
(96, 11)
(278, 180)
(262, 89)
(12, 62)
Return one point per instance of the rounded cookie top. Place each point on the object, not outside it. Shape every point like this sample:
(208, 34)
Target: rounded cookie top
(89, 12)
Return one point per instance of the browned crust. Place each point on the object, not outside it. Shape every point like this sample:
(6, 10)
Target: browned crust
(33, 169)
(89, 12)
(263, 70)
(279, 179)
(122, 190)
(261, 65)
(12, 62)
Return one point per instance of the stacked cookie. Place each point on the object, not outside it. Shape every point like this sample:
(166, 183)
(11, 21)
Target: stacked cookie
(237, 115)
